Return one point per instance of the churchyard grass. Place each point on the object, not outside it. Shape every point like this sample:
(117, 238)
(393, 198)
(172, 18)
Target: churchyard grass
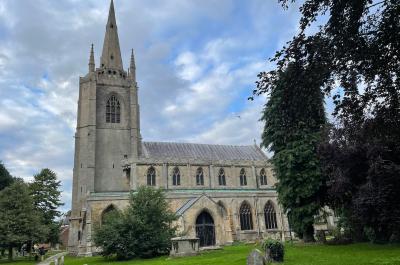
(296, 254)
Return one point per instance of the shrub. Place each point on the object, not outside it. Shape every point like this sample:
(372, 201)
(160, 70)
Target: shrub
(144, 229)
(274, 250)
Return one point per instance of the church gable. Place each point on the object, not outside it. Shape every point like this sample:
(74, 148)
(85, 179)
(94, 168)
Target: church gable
(202, 199)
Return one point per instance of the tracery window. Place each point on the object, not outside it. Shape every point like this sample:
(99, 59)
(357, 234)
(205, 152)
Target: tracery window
(270, 216)
(263, 177)
(113, 110)
(246, 220)
(221, 177)
(151, 176)
(176, 177)
(243, 180)
(199, 177)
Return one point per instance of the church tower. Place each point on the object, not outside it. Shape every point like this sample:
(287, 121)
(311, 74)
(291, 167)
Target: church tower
(107, 132)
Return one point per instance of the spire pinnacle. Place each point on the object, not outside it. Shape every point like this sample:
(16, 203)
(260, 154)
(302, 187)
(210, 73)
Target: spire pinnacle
(111, 56)
(132, 67)
(91, 60)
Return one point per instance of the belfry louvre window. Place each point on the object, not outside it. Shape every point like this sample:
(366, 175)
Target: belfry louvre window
(221, 177)
(263, 177)
(246, 221)
(176, 177)
(270, 216)
(151, 177)
(243, 180)
(113, 110)
(199, 177)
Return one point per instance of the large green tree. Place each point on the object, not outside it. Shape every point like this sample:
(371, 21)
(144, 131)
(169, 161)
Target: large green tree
(144, 229)
(359, 46)
(294, 119)
(20, 221)
(46, 194)
(5, 177)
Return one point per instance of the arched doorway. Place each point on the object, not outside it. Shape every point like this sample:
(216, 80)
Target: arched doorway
(205, 229)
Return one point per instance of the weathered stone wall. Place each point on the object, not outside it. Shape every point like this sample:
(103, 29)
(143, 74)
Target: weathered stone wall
(112, 140)
(223, 206)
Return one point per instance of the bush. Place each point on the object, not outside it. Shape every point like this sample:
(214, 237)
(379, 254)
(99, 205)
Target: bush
(144, 229)
(274, 250)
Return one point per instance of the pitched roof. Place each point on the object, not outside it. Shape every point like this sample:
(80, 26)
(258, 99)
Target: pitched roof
(162, 150)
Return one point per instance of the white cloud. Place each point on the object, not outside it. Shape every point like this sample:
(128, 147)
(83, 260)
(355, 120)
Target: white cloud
(188, 66)
(196, 64)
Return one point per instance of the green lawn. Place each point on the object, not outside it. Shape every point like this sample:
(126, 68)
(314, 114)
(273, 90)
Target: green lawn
(297, 254)
(356, 254)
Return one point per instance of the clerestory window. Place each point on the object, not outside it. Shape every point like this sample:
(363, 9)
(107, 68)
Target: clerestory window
(263, 177)
(199, 177)
(176, 177)
(151, 176)
(221, 177)
(243, 179)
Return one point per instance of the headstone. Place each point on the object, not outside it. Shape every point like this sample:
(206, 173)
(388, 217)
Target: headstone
(255, 258)
(62, 260)
(56, 261)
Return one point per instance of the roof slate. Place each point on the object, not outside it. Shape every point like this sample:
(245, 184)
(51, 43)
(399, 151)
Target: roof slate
(160, 150)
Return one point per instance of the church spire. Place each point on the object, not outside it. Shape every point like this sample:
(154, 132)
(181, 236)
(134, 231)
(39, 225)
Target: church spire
(111, 56)
(132, 67)
(91, 61)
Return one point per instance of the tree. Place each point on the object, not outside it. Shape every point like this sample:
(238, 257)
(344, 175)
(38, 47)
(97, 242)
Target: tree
(5, 178)
(20, 222)
(45, 191)
(359, 47)
(144, 229)
(363, 171)
(294, 118)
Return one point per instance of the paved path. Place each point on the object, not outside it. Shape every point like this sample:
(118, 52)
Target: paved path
(51, 259)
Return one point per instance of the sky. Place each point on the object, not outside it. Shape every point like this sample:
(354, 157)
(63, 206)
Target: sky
(197, 62)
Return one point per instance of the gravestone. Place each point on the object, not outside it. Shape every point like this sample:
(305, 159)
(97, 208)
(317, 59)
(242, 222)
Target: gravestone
(255, 258)
(56, 261)
(184, 246)
(62, 260)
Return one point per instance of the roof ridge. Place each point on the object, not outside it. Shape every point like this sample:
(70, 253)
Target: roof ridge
(162, 142)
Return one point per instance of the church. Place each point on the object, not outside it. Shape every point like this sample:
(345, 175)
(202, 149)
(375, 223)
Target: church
(220, 193)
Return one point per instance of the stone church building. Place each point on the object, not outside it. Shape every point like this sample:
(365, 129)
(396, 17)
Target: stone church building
(221, 193)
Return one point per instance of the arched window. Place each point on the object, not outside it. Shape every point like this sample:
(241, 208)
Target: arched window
(176, 177)
(151, 177)
(221, 177)
(243, 180)
(246, 221)
(199, 177)
(113, 110)
(270, 216)
(109, 211)
(263, 177)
